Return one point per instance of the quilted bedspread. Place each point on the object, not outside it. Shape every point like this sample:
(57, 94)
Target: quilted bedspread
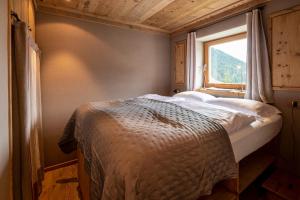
(141, 149)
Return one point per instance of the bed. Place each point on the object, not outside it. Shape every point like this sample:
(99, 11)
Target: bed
(248, 134)
(254, 136)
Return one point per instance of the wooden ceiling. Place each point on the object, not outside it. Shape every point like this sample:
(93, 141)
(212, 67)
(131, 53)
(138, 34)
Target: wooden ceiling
(168, 16)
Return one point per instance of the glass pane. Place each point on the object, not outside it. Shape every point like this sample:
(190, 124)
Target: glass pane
(227, 62)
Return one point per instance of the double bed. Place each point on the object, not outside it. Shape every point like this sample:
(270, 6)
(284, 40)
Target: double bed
(232, 132)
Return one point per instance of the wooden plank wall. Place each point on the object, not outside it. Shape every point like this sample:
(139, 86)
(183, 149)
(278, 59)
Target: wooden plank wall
(285, 45)
(26, 12)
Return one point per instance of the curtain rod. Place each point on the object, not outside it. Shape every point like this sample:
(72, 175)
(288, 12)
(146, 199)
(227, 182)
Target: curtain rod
(261, 6)
(16, 16)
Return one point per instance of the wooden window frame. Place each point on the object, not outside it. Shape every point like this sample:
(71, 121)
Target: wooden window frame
(206, 62)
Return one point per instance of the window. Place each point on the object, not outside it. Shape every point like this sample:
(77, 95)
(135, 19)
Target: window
(225, 61)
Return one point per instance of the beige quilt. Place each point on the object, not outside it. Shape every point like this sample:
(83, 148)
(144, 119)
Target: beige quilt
(141, 149)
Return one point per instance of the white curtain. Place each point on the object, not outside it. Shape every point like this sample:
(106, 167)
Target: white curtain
(191, 61)
(36, 147)
(259, 85)
(26, 115)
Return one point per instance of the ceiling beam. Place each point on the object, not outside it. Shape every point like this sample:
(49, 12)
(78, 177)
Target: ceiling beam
(55, 10)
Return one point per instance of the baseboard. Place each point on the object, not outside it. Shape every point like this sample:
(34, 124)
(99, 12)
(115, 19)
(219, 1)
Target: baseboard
(60, 165)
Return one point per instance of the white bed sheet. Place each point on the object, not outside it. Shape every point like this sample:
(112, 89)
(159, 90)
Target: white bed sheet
(252, 137)
(245, 139)
(231, 120)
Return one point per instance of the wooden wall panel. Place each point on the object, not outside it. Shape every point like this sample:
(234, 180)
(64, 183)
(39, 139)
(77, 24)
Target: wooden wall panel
(180, 62)
(26, 11)
(285, 31)
(5, 122)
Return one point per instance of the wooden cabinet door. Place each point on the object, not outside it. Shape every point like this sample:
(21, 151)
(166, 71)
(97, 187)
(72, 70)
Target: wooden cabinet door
(285, 42)
(180, 62)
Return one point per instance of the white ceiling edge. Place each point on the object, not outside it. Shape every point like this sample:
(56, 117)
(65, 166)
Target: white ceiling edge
(229, 32)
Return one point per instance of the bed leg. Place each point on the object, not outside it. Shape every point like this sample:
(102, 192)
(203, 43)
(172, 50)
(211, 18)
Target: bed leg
(233, 185)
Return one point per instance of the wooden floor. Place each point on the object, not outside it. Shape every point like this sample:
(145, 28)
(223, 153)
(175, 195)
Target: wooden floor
(61, 184)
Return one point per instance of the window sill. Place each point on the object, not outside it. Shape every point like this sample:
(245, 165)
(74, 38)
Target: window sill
(220, 92)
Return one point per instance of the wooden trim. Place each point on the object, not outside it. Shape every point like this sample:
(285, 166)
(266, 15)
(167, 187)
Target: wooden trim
(295, 89)
(285, 11)
(60, 165)
(60, 11)
(206, 62)
(219, 15)
(223, 93)
(10, 100)
(227, 38)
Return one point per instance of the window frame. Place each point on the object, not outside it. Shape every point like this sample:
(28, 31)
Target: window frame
(206, 62)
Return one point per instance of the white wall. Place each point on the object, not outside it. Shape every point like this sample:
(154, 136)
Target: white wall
(84, 61)
(4, 113)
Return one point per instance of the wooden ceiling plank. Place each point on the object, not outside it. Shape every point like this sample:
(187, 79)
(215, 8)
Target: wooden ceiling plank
(157, 15)
(62, 11)
(93, 5)
(176, 11)
(145, 7)
(212, 9)
(195, 12)
(170, 11)
(155, 9)
(122, 8)
(221, 15)
(215, 12)
(103, 8)
(82, 5)
(71, 4)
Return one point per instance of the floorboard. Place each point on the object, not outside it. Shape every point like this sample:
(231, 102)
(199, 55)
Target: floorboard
(61, 184)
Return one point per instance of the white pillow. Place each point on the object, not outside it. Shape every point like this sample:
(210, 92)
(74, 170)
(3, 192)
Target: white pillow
(193, 95)
(247, 106)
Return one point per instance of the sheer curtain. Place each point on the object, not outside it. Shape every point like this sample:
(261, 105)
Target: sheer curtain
(259, 86)
(191, 61)
(26, 115)
(36, 118)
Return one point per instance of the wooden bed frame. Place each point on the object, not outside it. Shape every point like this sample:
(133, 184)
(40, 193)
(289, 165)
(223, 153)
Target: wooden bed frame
(249, 169)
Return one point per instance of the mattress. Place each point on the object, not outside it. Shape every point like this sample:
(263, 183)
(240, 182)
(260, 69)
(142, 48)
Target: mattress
(255, 135)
